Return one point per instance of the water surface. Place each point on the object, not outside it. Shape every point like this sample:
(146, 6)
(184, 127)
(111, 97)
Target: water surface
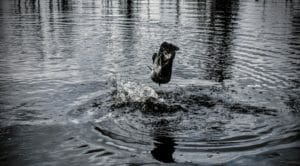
(75, 87)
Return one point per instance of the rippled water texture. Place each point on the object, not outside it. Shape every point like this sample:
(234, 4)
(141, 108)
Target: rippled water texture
(75, 86)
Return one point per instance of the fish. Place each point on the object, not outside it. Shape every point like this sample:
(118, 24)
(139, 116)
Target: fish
(161, 71)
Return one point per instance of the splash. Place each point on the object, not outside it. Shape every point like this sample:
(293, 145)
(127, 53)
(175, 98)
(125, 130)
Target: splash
(133, 92)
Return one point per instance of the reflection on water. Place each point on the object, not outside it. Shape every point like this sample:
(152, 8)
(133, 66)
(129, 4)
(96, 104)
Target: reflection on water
(233, 98)
(219, 58)
(164, 149)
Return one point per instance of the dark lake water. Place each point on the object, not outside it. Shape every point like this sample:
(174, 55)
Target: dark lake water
(75, 87)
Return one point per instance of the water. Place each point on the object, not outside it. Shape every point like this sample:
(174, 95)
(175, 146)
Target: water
(76, 90)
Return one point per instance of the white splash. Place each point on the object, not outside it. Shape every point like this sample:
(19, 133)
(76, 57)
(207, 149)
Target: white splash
(134, 92)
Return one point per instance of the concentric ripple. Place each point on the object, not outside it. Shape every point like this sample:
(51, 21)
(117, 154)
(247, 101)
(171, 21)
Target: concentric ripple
(234, 96)
(185, 125)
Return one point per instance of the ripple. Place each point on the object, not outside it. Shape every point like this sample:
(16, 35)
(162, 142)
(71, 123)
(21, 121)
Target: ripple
(190, 122)
(233, 98)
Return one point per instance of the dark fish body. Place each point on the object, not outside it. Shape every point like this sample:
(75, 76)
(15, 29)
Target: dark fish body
(162, 63)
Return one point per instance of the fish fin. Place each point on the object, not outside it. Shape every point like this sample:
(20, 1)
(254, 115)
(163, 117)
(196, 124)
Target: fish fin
(154, 56)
